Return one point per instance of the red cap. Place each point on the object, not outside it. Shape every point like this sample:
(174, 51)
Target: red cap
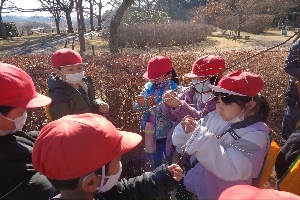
(240, 83)
(157, 67)
(66, 57)
(208, 65)
(76, 145)
(17, 89)
(244, 192)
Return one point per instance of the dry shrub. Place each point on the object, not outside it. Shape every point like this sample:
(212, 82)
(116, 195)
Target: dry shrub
(118, 80)
(152, 35)
(257, 23)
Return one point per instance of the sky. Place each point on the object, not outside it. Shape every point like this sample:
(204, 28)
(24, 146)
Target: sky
(29, 4)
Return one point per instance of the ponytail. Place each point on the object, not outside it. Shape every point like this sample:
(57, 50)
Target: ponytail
(174, 76)
(264, 108)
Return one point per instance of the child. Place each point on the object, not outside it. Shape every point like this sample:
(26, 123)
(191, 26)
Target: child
(18, 179)
(160, 74)
(71, 92)
(196, 101)
(80, 155)
(229, 145)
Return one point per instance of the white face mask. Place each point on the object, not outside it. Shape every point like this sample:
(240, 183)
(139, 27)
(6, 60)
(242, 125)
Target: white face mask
(74, 78)
(19, 123)
(239, 118)
(202, 86)
(112, 180)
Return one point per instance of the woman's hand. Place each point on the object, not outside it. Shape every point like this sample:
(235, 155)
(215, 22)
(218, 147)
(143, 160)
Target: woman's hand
(176, 172)
(170, 98)
(188, 124)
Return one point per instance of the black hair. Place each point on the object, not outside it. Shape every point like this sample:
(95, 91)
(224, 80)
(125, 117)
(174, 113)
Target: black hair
(174, 76)
(214, 80)
(70, 184)
(262, 107)
(4, 110)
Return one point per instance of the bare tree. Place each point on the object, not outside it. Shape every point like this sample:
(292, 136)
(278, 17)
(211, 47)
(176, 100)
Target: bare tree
(81, 26)
(1, 20)
(53, 7)
(67, 6)
(115, 23)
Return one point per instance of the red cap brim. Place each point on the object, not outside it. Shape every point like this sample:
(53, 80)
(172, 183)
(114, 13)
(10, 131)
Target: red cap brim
(129, 141)
(38, 101)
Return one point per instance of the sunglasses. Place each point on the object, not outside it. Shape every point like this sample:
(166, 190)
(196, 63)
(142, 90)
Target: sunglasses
(155, 79)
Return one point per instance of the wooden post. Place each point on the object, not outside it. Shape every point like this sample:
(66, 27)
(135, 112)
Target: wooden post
(66, 44)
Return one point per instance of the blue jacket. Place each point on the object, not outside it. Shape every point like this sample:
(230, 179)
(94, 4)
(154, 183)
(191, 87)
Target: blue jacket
(292, 67)
(162, 124)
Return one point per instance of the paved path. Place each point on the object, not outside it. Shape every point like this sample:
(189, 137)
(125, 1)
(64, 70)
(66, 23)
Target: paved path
(47, 45)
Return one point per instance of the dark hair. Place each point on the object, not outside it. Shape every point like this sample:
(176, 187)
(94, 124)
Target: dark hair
(262, 107)
(4, 110)
(71, 184)
(174, 76)
(214, 80)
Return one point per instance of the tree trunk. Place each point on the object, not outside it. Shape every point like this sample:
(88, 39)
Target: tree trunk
(2, 26)
(57, 25)
(99, 16)
(115, 23)
(92, 15)
(69, 22)
(80, 22)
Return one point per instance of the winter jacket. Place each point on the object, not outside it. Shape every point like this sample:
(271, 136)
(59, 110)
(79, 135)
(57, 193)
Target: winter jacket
(292, 67)
(287, 155)
(18, 179)
(68, 100)
(162, 124)
(184, 109)
(148, 186)
(233, 158)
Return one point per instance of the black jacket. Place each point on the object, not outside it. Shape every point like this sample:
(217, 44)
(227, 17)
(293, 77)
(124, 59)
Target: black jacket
(148, 186)
(18, 179)
(292, 67)
(287, 155)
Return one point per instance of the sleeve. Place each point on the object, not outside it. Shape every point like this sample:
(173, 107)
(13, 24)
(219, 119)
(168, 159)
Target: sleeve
(148, 186)
(292, 62)
(184, 109)
(228, 164)
(180, 138)
(166, 109)
(91, 90)
(59, 110)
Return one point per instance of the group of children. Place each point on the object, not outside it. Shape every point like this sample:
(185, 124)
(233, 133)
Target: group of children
(217, 126)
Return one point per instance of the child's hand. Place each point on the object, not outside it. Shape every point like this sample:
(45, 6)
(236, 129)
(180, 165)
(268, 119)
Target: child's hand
(176, 172)
(188, 124)
(150, 101)
(171, 99)
(104, 108)
(140, 100)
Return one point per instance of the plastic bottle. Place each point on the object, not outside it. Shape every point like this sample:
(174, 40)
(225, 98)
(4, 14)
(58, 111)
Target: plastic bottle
(150, 146)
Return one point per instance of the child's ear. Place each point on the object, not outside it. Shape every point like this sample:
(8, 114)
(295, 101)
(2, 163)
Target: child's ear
(59, 73)
(91, 183)
(250, 105)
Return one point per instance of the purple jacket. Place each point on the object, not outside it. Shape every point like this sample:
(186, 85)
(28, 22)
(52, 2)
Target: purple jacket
(183, 110)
